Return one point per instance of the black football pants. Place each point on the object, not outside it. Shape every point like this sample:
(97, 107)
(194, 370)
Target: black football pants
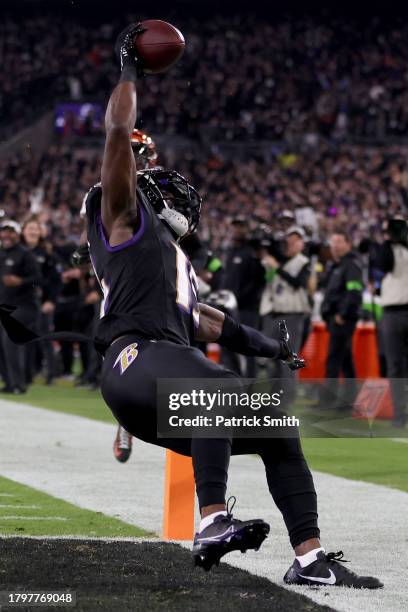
(131, 396)
(13, 359)
(340, 361)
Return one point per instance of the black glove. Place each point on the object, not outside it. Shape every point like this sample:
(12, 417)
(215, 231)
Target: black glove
(287, 356)
(126, 52)
(81, 256)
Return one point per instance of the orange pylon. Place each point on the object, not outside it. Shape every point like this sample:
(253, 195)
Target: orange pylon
(179, 495)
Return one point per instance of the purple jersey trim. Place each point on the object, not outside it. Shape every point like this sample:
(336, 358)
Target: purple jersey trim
(123, 245)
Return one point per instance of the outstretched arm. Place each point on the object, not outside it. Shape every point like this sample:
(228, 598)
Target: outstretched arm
(118, 166)
(215, 326)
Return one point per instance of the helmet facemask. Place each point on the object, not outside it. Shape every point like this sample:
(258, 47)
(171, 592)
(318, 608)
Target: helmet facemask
(175, 201)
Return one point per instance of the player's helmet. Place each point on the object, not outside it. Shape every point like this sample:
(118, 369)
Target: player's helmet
(172, 197)
(144, 149)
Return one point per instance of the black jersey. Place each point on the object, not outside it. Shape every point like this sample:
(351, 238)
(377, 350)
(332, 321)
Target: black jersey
(148, 283)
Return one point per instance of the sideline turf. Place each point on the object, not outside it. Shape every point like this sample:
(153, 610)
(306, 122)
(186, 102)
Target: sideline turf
(17, 500)
(377, 460)
(381, 461)
(64, 397)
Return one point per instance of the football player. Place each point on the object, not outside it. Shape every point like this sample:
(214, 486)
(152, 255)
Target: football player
(151, 317)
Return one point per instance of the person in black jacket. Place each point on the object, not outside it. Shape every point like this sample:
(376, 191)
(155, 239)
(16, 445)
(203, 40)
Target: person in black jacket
(340, 308)
(244, 275)
(20, 277)
(69, 301)
(392, 259)
(51, 285)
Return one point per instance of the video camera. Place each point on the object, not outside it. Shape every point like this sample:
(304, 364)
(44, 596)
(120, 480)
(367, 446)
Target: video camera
(263, 239)
(397, 230)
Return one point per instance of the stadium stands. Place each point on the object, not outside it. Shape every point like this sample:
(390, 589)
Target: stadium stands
(241, 77)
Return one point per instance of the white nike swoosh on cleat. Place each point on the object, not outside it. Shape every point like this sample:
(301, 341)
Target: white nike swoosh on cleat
(330, 580)
(218, 536)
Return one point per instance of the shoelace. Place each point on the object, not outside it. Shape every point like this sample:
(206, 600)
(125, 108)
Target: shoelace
(232, 500)
(338, 556)
(124, 439)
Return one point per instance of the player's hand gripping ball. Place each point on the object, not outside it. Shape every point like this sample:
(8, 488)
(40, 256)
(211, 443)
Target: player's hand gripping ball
(159, 45)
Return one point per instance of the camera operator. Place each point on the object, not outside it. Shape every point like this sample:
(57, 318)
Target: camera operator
(286, 293)
(244, 276)
(392, 259)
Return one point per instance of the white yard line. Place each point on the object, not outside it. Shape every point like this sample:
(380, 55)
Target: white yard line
(71, 458)
(34, 518)
(31, 507)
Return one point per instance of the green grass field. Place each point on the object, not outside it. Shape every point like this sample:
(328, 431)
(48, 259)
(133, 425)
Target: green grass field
(24, 510)
(378, 460)
(64, 397)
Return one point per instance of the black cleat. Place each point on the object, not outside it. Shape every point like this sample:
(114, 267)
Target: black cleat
(224, 535)
(327, 570)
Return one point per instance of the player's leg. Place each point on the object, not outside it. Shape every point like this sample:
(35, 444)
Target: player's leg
(291, 485)
(219, 532)
(129, 380)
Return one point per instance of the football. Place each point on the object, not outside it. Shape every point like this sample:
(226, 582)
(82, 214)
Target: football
(159, 46)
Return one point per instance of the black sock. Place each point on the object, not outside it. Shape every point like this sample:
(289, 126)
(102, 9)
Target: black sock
(210, 462)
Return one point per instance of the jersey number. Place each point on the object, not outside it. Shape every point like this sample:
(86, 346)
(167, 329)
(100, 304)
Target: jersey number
(186, 285)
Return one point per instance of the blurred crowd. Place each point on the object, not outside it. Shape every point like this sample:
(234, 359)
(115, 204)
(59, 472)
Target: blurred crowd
(262, 275)
(298, 229)
(241, 77)
(354, 187)
(276, 236)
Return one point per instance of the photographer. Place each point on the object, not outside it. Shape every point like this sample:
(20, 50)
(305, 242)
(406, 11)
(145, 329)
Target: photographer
(244, 276)
(286, 292)
(392, 260)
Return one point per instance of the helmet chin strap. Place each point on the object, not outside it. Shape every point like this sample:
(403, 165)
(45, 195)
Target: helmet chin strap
(177, 221)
